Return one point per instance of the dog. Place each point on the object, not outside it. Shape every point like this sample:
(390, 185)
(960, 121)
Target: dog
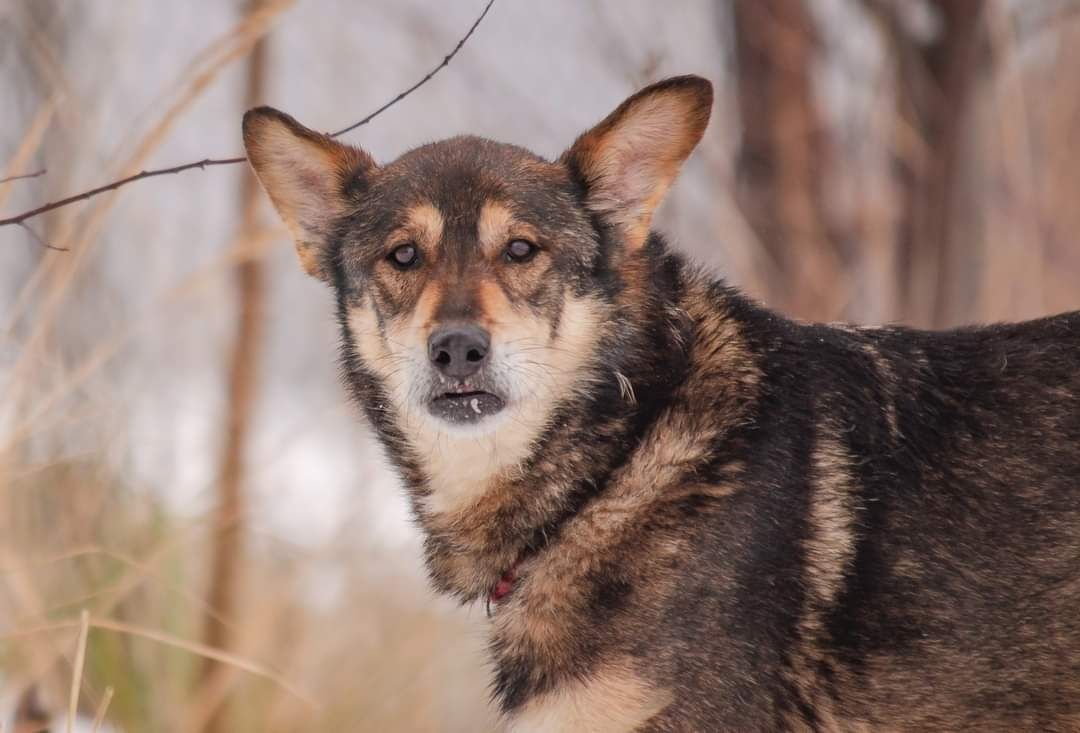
(684, 511)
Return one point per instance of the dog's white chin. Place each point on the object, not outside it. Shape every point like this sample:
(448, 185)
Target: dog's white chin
(461, 460)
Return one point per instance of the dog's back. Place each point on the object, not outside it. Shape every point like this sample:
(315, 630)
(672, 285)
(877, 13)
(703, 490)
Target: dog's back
(910, 527)
(972, 575)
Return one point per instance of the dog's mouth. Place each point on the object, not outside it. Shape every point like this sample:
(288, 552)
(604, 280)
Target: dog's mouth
(464, 406)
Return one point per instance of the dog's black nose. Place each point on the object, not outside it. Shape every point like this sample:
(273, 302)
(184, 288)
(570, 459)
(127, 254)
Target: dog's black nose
(458, 351)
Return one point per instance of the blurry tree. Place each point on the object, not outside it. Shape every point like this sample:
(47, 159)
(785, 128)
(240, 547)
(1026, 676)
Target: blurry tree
(935, 79)
(785, 165)
(226, 559)
(783, 155)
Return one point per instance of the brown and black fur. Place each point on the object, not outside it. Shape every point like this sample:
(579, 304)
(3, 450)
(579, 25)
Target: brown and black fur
(725, 519)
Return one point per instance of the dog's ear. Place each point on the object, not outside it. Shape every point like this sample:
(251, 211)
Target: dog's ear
(305, 173)
(628, 161)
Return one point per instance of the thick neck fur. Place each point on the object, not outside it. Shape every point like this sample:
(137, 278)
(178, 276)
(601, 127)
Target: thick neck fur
(642, 362)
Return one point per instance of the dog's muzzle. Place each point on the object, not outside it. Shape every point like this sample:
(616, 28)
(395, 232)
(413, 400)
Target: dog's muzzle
(459, 354)
(464, 405)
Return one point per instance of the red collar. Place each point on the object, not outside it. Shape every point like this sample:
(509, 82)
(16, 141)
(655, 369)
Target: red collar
(502, 589)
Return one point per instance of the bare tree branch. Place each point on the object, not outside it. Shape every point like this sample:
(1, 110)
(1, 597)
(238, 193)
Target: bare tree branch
(37, 237)
(19, 219)
(422, 82)
(35, 174)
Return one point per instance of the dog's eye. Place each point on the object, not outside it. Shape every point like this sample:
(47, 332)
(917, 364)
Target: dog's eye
(404, 257)
(520, 250)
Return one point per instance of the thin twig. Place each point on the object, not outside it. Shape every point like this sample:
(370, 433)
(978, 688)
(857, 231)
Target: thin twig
(422, 82)
(35, 174)
(115, 185)
(208, 652)
(37, 238)
(18, 219)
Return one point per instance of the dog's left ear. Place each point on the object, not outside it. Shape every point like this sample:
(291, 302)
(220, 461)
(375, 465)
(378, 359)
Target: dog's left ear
(628, 161)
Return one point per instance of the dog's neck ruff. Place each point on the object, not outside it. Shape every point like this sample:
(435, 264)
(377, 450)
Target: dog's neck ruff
(479, 552)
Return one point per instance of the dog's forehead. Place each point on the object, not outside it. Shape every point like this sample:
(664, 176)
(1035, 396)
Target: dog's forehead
(460, 175)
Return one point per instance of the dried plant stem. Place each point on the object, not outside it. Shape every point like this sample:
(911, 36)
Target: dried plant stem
(103, 707)
(161, 637)
(29, 145)
(77, 670)
(24, 176)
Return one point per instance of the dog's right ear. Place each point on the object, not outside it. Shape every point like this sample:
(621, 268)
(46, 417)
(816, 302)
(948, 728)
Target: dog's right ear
(305, 173)
(628, 161)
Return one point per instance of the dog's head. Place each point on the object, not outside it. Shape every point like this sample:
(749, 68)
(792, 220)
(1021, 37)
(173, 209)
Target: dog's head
(476, 278)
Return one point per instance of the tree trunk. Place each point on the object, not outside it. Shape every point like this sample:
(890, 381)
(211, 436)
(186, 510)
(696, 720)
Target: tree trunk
(935, 84)
(226, 558)
(782, 163)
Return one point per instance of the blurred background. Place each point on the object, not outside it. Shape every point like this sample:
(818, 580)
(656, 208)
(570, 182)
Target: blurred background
(177, 456)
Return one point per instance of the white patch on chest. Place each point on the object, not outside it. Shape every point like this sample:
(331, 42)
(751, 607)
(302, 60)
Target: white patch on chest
(613, 700)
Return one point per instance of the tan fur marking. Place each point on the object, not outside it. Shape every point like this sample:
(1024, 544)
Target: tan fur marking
(576, 342)
(365, 329)
(677, 442)
(626, 388)
(830, 549)
(612, 700)
(385, 356)
(425, 222)
(497, 226)
(654, 476)
(888, 378)
(497, 313)
(423, 316)
(831, 546)
(493, 226)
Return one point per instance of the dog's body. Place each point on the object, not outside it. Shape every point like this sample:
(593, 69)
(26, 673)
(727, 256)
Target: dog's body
(685, 511)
